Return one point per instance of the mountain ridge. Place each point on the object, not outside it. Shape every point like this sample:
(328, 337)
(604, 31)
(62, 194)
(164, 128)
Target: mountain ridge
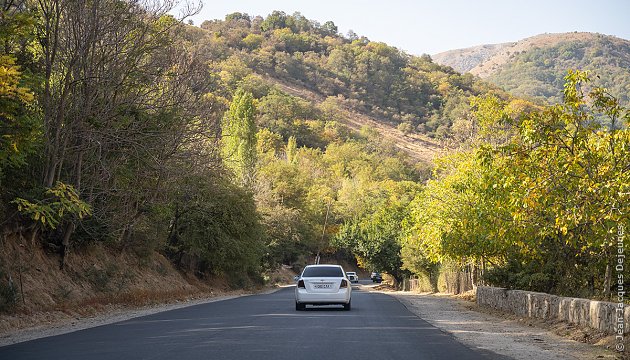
(535, 67)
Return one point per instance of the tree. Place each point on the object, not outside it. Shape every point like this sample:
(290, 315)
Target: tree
(375, 241)
(253, 41)
(375, 236)
(275, 20)
(571, 172)
(291, 150)
(116, 102)
(239, 137)
(237, 16)
(330, 28)
(534, 197)
(268, 142)
(216, 225)
(19, 124)
(405, 128)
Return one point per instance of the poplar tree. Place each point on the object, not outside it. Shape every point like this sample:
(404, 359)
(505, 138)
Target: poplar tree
(239, 137)
(291, 149)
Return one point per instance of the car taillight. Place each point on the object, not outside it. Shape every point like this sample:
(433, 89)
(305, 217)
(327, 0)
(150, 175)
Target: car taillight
(344, 284)
(301, 284)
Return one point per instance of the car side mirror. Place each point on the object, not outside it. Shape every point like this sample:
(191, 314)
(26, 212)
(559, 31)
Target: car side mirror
(296, 278)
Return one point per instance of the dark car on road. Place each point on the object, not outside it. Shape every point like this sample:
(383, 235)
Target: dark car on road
(376, 277)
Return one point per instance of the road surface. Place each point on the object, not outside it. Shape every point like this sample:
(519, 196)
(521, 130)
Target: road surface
(259, 327)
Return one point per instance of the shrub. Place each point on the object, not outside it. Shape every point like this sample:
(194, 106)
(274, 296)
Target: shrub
(8, 293)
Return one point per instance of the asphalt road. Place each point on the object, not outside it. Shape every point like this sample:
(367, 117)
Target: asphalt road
(259, 327)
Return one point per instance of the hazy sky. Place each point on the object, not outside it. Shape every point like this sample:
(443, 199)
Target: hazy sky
(430, 27)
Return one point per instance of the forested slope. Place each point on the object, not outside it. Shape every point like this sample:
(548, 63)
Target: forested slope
(368, 77)
(252, 142)
(535, 67)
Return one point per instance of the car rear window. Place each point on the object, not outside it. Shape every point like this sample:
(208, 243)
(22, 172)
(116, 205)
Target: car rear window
(323, 271)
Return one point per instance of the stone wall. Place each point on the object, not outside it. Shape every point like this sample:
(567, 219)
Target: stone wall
(588, 313)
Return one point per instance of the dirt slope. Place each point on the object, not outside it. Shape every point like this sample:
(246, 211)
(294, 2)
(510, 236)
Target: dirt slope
(464, 60)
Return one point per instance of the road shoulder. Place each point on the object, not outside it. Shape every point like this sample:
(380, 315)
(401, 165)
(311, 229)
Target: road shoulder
(492, 333)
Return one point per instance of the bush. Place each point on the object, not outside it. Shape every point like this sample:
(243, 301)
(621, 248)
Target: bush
(405, 127)
(8, 294)
(531, 276)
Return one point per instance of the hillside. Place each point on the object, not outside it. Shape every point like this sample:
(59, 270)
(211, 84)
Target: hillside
(535, 67)
(464, 60)
(370, 78)
(417, 146)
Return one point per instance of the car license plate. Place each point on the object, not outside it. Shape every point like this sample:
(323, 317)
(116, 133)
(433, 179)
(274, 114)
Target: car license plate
(322, 286)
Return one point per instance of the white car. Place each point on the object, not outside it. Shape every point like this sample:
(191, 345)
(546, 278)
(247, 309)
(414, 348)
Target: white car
(352, 276)
(323, 285)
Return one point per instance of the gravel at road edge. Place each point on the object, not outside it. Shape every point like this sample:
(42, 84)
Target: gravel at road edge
(488, 332)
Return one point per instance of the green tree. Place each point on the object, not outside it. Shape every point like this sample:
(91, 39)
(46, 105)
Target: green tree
(216, 224)
(275, 20)
(236, 16)
(570, 173)
(239, 137)
(330, 28)
(19, 124)
(375, 233)
(539, 197)
(375, 241)
(253, 41)
(291, 149)
(120, 95)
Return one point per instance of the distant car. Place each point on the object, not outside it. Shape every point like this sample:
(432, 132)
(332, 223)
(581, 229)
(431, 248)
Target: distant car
(376, 277)
(352, 276)
(323, 285)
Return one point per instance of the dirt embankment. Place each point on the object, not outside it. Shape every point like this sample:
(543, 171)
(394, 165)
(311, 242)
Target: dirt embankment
(95, 281)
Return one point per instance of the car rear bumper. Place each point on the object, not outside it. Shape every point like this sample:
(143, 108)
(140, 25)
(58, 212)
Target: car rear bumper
(303, 297)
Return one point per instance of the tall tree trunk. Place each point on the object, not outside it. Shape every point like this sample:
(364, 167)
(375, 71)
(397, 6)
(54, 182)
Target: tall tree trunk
(458, 275)
(65, 243)
(607, 280)
(483, 271)
(434, 276)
